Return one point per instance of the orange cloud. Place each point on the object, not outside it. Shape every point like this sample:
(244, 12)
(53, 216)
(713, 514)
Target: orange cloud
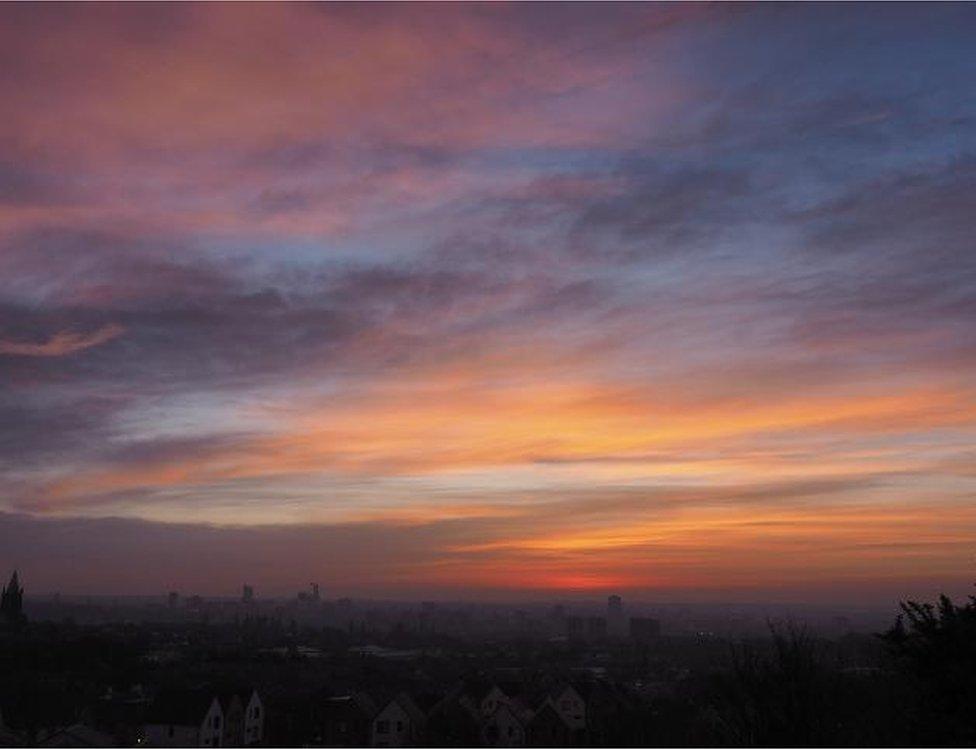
(461, 425)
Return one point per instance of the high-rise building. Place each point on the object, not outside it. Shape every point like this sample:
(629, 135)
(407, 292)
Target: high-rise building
(644, 629)
(596, 627)
(247, 595)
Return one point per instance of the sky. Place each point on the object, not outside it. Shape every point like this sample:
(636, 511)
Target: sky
(489, 300)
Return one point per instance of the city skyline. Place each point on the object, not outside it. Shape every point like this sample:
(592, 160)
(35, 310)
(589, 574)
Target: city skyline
(495, 301)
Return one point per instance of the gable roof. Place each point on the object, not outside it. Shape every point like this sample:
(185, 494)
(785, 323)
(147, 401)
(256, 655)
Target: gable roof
(78, 735)
(521, 717)
(408, 706)
(453, 704)
(226, 695)
(548, 713)
(476, 688)
(561, 688)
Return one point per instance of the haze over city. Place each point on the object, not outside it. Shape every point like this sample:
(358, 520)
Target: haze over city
(489, 301)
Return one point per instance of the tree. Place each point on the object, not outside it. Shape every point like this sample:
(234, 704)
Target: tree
(933, 647)
(783, 695)
(12, 602)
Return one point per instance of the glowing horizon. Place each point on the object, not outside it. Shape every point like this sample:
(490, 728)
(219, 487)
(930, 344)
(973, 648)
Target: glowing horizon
(666, 299)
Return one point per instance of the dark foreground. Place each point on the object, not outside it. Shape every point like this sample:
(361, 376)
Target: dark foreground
(263, 677)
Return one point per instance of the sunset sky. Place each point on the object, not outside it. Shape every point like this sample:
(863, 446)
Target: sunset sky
(489, 300)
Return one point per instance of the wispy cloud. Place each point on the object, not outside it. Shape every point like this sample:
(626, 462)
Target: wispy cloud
(538, 285)
(63, 343)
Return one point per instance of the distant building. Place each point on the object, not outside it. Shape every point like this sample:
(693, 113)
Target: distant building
(616, 623)
(312, 595)
(596, 627)
(575, 626)
(247, 594)
(173, 599)
(644, 629)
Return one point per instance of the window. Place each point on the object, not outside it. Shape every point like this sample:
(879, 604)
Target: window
(382, 726)
(256, 712)
(216, 721)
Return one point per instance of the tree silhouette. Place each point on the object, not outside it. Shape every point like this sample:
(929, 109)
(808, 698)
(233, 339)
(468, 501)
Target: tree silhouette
(934, 649)
(783, 695)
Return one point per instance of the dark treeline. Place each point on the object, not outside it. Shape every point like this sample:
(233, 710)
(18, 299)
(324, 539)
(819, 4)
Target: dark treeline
(914, 684)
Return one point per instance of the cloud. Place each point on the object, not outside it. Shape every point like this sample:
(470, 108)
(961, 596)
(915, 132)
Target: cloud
(800, 547)
(63, 343)
(372, 268)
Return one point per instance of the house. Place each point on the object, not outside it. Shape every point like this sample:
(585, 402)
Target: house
(185, 718)
(398, 723)
(483, 696)
(347, 720)
(569, 704)
(233, 708)
(243, 717)
(453, 721)
(548, 728)
(253, 728)
(504, 727)
(493, 699)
